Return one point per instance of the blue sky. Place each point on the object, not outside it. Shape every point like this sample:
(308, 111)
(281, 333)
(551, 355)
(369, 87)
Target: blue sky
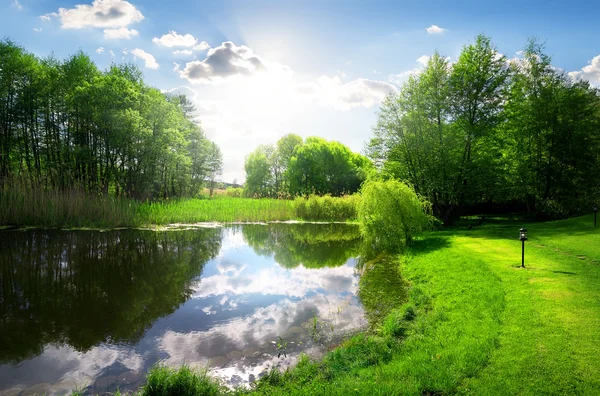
(260, 69)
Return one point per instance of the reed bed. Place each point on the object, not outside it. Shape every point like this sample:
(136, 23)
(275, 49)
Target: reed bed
(26, 207)
(65, 209)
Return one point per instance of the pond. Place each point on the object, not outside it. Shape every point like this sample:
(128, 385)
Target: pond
(95, 311)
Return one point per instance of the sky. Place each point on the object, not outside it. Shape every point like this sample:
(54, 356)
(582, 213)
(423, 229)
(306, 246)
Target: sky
(257, 70)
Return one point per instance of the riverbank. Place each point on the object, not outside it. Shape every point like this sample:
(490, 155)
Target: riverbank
(475, 322)
(76, 210)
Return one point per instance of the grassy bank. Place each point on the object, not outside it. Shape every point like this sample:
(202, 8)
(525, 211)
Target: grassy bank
(74, 209)
(475, 322)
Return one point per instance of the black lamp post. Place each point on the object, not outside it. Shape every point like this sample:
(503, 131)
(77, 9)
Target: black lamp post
(595, 213)
(523, 238)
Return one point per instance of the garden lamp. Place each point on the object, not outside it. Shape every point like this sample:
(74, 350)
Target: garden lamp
(523, 238)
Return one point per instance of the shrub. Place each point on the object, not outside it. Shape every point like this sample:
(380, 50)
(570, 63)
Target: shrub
(234, 192)
(327, 208)
(391, 214)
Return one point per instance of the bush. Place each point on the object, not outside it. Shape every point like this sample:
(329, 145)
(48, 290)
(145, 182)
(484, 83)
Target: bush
(391, 214)
(327, 208)
(234, 192)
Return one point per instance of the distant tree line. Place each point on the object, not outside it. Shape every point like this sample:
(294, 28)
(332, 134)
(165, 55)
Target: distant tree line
(67, 124)
(488, 130)
(297, 167)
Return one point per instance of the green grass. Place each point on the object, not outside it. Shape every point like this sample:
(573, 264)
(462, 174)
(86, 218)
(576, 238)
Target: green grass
(74, 209)
(219, 209)
(476, 323)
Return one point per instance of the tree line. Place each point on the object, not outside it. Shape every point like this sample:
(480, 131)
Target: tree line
(66, 124)
(488, 131)
(297, 167)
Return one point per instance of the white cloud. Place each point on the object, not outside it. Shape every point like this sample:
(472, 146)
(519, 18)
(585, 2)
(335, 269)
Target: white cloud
(223, 62)
(149, 60)
(37, 29)
(121, 33)
(111, 53)
(423, 59)
(590, 72)
(203, 46)
(182, 52)
(124, 51)
(435, 29)
(100, 50)
(45, 17)
(173, 39)
(17, 4)
(176, 66)
(101, 14)
(362, 92)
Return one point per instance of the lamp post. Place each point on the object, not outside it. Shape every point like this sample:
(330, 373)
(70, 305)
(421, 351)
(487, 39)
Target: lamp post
(595, 213)
(523, 238)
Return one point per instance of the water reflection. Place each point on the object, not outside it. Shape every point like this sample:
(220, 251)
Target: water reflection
(309, 245)
(98, 309)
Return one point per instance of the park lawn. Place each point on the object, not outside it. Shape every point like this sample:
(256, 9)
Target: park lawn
(484, 326)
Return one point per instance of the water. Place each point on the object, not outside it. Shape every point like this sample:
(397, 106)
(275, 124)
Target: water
(95, 310)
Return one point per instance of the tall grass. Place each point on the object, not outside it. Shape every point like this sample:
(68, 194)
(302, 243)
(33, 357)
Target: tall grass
(21, 206)
(76, 209)
(220, 209)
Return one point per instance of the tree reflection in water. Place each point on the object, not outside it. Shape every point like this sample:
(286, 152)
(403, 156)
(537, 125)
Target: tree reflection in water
(84, 288)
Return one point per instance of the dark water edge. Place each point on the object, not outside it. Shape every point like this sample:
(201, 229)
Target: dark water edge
(95, 310)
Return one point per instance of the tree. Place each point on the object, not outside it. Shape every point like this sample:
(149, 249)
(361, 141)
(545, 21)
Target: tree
(66, 124)
(478, 89)
(286, 147)
(552, 139)
(323, 167)
(214, 164)
(486, 133)
(259, 179)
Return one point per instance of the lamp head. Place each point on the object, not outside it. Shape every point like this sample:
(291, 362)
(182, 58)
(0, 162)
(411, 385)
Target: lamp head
(523, 234)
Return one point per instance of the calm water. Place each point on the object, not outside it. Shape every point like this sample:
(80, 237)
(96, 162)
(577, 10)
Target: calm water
(95, 310)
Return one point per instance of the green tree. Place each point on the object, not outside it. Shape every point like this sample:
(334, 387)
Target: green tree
(259, 179)
(326, 167)
(391, 214)
(214, 164)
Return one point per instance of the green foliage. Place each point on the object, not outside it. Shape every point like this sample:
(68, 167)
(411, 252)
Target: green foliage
(165, 381)
(326, 167)
(327, 208)
(293, 167)
(67, 125)
(391, 214)
(259, 179)
(484, 130)
(234, 192)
